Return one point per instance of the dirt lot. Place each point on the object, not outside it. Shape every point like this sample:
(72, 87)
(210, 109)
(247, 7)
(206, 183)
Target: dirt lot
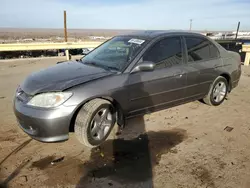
(185, 146)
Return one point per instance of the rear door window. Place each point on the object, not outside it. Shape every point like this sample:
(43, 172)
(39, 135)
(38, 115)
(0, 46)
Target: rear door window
(200, 49)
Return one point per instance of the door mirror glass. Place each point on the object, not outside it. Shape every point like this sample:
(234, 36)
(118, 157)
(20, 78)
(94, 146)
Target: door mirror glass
(144, 66)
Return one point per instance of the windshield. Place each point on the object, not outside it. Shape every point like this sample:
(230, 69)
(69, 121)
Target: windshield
(116, 53)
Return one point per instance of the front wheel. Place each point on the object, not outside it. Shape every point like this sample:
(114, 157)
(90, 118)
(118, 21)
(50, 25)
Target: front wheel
(94, 122)
(218, 92)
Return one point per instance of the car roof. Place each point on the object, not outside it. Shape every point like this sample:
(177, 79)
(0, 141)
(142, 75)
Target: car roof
(151, 34)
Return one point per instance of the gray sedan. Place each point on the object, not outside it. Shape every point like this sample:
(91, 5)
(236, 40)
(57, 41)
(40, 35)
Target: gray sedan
(128, 75)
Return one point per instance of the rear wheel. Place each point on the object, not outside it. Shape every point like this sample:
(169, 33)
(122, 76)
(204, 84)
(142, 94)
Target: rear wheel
(94, 122)
(217, 92)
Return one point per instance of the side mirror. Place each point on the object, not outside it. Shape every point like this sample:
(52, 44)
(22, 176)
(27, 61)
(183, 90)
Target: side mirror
(144, 66)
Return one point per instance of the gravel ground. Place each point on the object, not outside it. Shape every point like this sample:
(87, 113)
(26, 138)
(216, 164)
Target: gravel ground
(185, 146)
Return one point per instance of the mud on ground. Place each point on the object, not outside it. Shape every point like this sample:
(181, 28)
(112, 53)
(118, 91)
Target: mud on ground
(185, 146)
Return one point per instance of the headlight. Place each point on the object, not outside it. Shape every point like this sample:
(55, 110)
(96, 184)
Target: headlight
(48, 100)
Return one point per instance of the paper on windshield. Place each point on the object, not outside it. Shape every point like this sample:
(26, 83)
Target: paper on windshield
(136, 41)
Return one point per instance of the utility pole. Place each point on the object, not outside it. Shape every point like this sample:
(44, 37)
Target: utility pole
(190, 27)
(65, 26)
(65, 33)
(238, 27)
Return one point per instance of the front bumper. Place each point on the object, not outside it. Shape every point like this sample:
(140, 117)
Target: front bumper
(45, 125)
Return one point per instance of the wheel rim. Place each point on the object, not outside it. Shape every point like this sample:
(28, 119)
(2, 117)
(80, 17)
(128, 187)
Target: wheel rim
(101, 124)
(219, 91)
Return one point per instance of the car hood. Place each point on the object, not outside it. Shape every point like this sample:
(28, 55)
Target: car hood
(61, 76)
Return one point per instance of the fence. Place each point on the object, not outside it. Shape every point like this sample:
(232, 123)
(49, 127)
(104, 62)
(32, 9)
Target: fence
(246, 48)
(47, 46)
(67, 46)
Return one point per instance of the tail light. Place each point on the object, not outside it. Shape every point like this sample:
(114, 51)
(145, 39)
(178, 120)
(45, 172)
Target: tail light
(240, 63)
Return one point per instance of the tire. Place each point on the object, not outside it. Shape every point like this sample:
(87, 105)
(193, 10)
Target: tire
(84, 122)
(210, 98)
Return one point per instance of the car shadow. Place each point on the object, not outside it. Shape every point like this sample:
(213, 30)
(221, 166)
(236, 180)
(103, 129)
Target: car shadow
(130, 159)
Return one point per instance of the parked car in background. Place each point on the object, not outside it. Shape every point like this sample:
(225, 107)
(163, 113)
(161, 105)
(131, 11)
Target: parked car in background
(126, 76)
(85, 51)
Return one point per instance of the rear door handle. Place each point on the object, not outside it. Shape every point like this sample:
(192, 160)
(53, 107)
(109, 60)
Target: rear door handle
(179, 74)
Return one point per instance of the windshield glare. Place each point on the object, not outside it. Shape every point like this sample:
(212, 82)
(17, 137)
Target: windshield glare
(115, 53)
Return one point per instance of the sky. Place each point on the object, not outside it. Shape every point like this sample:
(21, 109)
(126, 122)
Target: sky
(126, 14)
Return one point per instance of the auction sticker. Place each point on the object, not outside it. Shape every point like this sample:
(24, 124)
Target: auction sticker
(136, 41)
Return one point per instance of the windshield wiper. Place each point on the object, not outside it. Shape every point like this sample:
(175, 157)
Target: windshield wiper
(92, 63)
(106, 67)
(112, 68)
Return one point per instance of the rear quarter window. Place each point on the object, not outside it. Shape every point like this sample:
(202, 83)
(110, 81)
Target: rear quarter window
(214, 52)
